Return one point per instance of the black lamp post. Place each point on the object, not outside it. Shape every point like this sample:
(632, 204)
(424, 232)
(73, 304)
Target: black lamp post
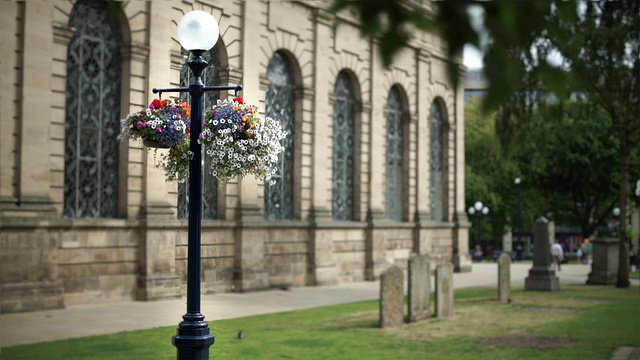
(479, 210)
(197, 32)
(519, 247)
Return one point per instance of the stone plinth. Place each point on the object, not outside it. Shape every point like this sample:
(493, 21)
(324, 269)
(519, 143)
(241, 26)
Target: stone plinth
(419, 288)
(604, 269)
(542, 277)
(391, 297)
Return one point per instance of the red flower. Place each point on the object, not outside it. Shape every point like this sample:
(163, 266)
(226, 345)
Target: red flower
(155, 104)
(238, 99)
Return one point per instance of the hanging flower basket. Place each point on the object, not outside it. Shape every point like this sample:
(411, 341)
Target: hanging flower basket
(164, 124)
(154, 144)
(239, 143)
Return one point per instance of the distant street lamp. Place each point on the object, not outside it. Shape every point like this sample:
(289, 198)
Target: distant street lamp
(479, 210)
(519, 246)
(616, 221)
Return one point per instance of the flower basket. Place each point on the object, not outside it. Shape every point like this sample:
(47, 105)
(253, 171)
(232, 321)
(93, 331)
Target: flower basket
(164, 124)
(154, 144)
(240, 143)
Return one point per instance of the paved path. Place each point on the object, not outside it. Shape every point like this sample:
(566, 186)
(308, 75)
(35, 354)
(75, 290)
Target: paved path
(97, 319)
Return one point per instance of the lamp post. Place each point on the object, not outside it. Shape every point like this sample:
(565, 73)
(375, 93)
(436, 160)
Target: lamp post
(479, 210)
(197, 32)
(519, 246)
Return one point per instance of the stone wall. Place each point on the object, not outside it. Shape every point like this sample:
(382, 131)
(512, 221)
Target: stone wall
(49, 261)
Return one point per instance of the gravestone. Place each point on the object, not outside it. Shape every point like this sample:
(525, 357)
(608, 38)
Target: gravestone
(444, 290)
(391, 297)
(504, 278)
(542, 276)
(419, 287)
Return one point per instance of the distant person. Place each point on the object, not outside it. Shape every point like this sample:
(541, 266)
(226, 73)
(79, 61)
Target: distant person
(633, 259)
(557, 254)
(477, 254)
(579, 257)
(589, 251)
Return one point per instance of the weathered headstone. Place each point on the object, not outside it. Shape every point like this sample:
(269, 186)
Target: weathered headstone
(542, 276)
(444, 290)
(419, 287)
(504, 278)
(391, 297)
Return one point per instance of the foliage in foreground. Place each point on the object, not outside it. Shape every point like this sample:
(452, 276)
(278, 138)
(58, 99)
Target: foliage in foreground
(576, 323)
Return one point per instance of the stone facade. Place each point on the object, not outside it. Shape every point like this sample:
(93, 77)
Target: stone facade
(49, 260)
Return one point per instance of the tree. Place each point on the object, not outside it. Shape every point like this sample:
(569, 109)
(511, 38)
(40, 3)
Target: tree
(598, 43)
(574, 163)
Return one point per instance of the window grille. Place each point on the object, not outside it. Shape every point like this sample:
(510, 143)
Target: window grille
(280, 105)
(343, 149)
(436, 176)
(394, 188)
(92, 122)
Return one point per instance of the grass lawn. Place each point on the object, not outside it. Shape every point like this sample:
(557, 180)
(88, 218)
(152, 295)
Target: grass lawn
(634, 275)
(584, 322)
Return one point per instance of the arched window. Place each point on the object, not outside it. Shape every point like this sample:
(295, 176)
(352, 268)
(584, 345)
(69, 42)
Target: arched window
(343, 149)
(210, 77)
(92, 121)
(436, 162)
(280, 105)
(394, 186)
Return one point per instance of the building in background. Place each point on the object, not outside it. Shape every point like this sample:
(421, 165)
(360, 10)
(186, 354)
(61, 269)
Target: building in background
(373, 169)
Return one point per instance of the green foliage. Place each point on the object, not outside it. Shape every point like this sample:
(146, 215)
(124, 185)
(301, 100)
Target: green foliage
(488, 175)
(568, 151)
(350, 331)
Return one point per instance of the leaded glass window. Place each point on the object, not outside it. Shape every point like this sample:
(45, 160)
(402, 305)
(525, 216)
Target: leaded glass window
(436, 163)
(92, 120)
(280, 105)
(210, 77)
(343, 149)
(395, 158)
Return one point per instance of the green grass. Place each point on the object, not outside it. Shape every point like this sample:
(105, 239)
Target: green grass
(589, 321)
(634, 275)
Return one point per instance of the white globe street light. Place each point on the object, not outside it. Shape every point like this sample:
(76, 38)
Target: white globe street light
(478, 209)
(198, 30)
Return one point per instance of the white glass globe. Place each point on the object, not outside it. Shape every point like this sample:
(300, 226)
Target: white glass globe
(198, 30)
(478, 205)
(471, 210)
(485, 210)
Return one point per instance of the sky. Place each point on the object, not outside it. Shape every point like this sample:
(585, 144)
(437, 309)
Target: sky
(472, 57)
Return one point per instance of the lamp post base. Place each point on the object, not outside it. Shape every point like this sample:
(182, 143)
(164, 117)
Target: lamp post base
(193, 343)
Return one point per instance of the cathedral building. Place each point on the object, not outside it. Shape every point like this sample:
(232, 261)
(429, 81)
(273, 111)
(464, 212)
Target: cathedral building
(372, 171)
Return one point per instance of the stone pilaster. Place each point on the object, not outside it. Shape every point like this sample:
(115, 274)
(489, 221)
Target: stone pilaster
(249, 268)
(158, 278)
(9, 68)
(29, 278)
(251, 190)
(461, 259)
(250, 272)
(33, 165)
(375, 245)
(322, 268)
